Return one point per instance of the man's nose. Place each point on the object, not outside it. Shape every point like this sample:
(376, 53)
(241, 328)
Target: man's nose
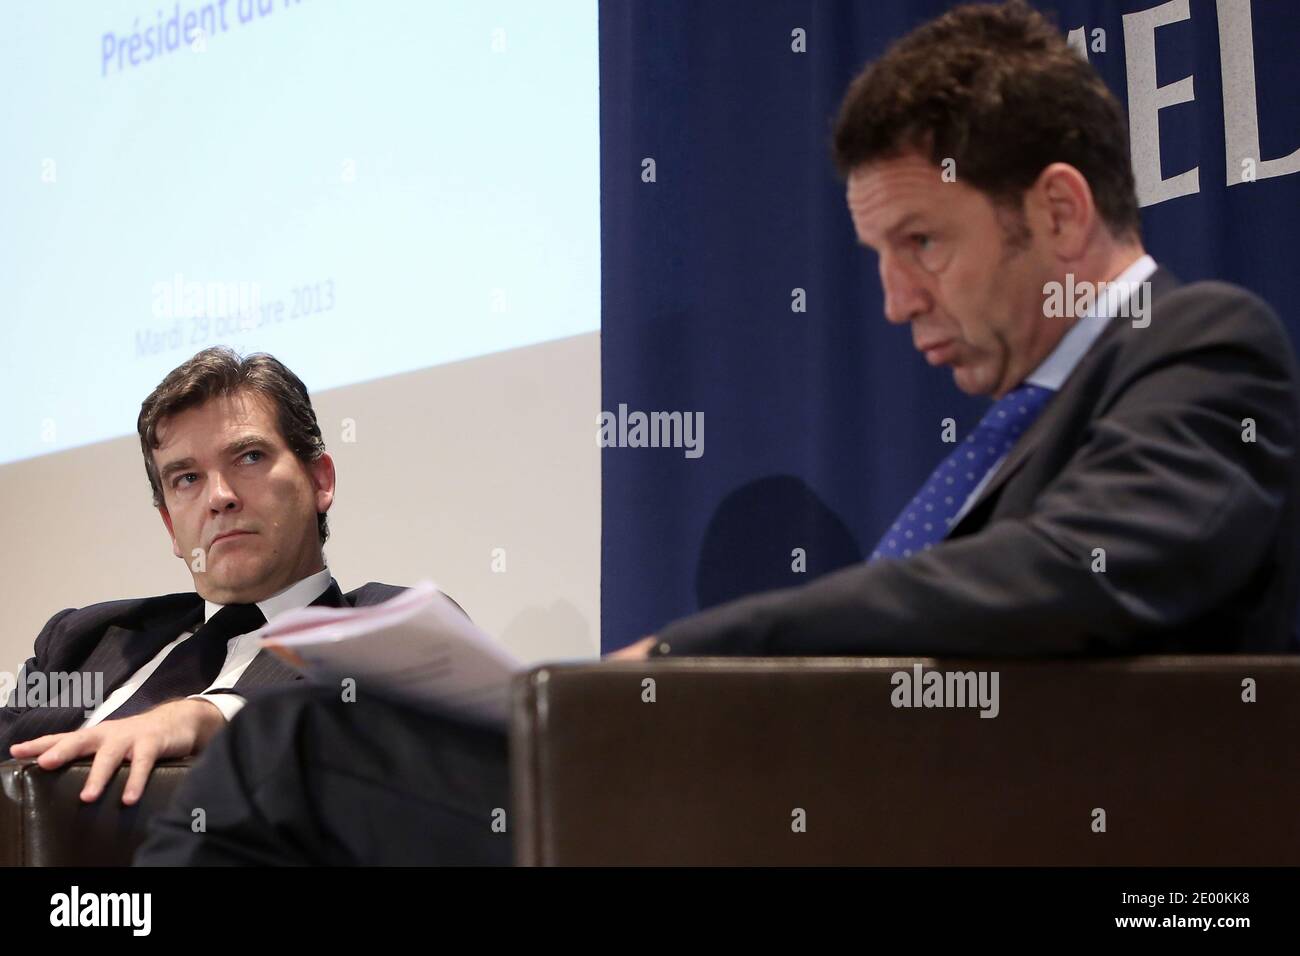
(905, 297)
(221, 494)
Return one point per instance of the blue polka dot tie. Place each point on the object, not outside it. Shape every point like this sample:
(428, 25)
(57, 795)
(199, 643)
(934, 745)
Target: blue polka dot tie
(929, 516)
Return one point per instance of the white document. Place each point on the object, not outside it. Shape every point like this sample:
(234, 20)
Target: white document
(417, 647)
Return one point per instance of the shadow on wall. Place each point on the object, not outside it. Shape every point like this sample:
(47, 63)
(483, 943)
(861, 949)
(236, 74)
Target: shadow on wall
(552, 633)
(763, 533)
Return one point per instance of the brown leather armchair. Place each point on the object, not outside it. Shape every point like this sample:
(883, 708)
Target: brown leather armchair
(809, 762)
(44, 823)
(803, 762)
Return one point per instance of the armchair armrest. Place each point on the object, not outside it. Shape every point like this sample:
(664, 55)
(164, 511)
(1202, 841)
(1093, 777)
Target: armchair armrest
(44, 823)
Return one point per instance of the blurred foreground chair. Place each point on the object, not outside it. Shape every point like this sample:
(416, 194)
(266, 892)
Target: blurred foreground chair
(808, 762)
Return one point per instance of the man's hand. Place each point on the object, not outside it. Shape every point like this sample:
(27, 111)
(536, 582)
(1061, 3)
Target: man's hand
(175, 729)
(634, 652)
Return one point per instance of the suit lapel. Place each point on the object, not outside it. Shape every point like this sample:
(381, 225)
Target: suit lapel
(1162, 281)
(121, 651)
(266, 668)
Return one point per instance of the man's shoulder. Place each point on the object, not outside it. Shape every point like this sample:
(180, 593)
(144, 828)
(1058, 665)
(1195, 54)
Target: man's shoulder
(137, 613)
(145, 612)
(1216, 325)
(373, 592)
(1202, 312)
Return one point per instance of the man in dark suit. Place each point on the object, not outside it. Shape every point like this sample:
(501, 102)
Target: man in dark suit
(1150, 508)
(1132, 488)
(242, 482)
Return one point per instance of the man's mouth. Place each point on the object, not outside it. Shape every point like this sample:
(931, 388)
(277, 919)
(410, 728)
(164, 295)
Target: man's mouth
(939, 353)
(228, 536)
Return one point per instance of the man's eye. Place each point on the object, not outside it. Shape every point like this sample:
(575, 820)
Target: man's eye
(181, 478)
(247, 453)
(921, 240)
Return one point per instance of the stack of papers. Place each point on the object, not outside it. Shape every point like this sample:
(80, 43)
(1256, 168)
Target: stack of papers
(418, 648)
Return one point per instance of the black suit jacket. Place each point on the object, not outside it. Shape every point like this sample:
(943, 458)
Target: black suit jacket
(1141, 455)
(117, 638)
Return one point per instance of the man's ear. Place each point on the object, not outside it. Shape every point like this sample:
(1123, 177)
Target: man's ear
(1067, 209)
(167, 520)
(322, 476)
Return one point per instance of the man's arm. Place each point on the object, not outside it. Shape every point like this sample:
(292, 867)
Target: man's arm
(227, 702)
(1165, 485)
(174, 729)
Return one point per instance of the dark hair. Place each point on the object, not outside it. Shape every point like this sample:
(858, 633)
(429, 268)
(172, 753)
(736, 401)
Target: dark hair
(220, 371)
(999, 90)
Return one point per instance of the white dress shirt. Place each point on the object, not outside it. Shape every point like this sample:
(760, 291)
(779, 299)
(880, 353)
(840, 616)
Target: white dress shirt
(240, 651)
(1063, 360)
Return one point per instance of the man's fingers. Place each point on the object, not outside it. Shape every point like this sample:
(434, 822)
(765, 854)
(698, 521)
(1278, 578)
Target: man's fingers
(135, 738)
(637, 651)
(69, 746)
(143, 757)
(35, 746)
(102, 769)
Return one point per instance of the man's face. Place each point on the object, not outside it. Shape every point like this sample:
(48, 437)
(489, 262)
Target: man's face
(974, 302)
(224, 467)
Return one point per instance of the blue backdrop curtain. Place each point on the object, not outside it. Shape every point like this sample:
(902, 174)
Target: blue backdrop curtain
(820, 424)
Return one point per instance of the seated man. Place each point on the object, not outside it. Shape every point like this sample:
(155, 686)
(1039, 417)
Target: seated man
(242, 481)
(1133, 487)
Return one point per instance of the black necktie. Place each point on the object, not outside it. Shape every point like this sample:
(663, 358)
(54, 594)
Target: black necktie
(192, 667)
